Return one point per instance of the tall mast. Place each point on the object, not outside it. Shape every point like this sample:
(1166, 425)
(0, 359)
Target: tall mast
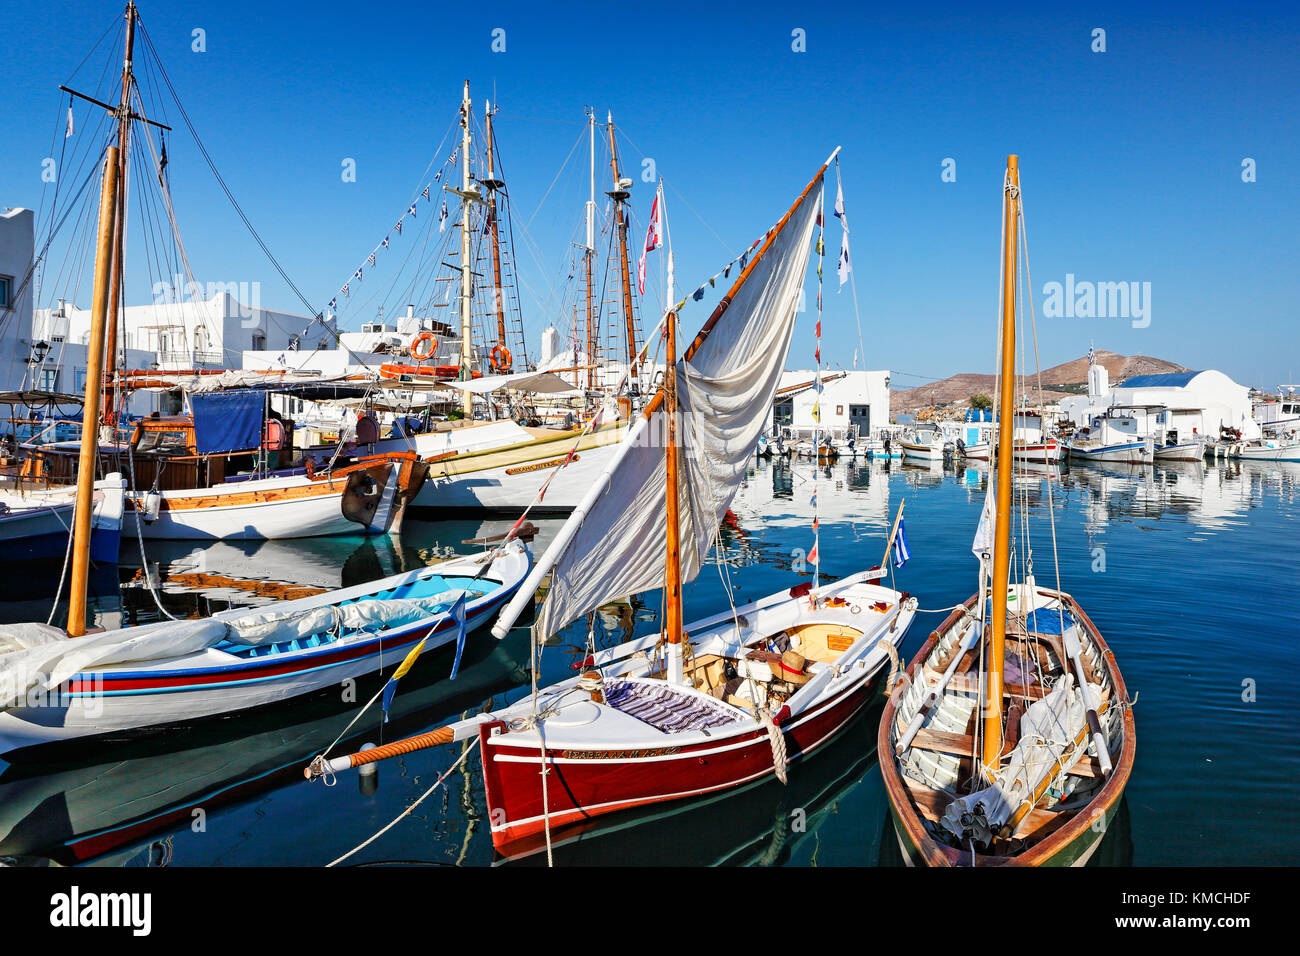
(619, 195)
(673, 560)
(119, 216)
(465, 267)
(590, 253)
(1002, 490)
(493, 184)
(89, 457)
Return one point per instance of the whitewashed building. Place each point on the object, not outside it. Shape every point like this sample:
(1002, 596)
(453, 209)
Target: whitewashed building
(1193, 402)
(849, 399)
(17, 245)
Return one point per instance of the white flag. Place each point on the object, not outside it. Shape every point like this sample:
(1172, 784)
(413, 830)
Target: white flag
(839, 206)
(442, 217)
(844, 268)
(70, 128)
(982, 546)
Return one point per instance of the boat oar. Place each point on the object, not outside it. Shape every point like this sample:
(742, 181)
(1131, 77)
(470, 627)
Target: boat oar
(1074, 651)
(321, 765)
(933, 694)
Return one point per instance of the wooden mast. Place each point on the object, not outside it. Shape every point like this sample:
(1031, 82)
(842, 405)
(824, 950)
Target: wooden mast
(466, 288)
(619, 195)
(109, 416)
(1002, 490)
(673, 562)
(492, 184)
(89, 458)
(590, 254)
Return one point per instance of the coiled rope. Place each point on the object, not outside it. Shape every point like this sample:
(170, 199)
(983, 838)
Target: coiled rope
(777, 739)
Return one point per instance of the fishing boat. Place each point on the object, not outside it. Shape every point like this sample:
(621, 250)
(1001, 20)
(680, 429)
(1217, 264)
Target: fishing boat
(927, 442)
(35, 522)
(1010, 739)
(703, 706)
(1174, 450)
(146, 679)
(1268, 448)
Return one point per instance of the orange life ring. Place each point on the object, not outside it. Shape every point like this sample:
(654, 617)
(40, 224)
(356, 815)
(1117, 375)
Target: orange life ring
(501, 358)
(415, 346)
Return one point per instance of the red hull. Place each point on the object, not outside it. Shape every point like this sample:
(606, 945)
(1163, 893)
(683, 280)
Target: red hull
(583, 786)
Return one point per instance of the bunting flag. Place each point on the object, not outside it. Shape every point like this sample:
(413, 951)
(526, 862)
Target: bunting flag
(425, 194)
(385, 242)
(653, 239)
(390, 689)
(698, 294)
(344, 290)
(442, 217)
(457, 613)
(357, 275)
(333, 305)
(370, 259)
(437, 176)
(844, 268)
(398, 227)
(815, 555)
(411, 211)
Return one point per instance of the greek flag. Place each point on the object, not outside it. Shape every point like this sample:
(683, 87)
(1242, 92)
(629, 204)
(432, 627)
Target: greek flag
(458, 615)
(901, 552)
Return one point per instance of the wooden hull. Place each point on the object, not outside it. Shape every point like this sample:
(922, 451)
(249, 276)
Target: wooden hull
(126, 699)
(1072, 843)
(590, 783)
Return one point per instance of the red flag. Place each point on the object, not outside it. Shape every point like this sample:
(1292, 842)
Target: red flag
(653, 240)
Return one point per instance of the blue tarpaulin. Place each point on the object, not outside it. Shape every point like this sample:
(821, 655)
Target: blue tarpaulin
(228, 421)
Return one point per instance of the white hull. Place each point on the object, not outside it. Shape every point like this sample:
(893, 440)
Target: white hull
(213, 682)
(1130, 453)
(1187, 451)
(514, 487)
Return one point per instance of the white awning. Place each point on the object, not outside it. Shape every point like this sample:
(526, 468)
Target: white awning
(547, 383)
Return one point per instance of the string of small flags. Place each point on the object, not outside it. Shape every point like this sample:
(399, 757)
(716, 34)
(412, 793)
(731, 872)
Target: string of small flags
(426, 194)
(724, 273)
(814, 556)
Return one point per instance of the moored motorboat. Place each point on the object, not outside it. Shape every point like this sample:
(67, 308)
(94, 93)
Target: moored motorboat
(35, 523)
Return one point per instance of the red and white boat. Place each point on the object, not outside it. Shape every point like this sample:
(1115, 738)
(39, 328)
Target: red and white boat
(704, 706)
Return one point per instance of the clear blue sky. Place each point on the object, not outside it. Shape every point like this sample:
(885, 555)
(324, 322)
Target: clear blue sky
(1131, 159)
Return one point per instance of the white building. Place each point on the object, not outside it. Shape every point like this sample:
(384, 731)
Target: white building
(849, 398)
(17, 245)
(1199, 402)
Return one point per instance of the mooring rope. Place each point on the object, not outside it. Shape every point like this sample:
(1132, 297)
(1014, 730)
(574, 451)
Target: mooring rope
(777, 739)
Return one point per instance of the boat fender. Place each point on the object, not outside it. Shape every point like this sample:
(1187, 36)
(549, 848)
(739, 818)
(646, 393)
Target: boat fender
(152, 505)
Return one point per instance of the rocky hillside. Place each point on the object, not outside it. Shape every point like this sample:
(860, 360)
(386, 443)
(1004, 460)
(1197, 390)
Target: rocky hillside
(1059, 380)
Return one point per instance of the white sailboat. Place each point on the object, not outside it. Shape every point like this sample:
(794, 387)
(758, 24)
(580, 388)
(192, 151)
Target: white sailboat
(707, 705)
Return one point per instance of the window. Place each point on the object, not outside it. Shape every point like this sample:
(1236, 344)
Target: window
(6, 290)
(839, 409)
(259, 341)
(81, 381)
(783, 412)
(49, 380)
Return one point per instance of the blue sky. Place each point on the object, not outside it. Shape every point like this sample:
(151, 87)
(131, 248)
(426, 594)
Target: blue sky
(1131, 159)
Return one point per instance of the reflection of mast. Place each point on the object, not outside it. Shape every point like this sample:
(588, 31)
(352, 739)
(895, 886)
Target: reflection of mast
(492, 184)
(119, 218)
(1002, 490)
(619, 194)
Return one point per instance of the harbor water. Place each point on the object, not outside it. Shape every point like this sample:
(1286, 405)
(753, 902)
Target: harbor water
(1188, 570)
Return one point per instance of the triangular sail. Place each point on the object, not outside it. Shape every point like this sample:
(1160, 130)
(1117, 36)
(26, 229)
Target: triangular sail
(614, 543)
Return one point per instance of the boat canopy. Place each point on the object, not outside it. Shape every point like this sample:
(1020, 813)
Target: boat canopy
(547, 383)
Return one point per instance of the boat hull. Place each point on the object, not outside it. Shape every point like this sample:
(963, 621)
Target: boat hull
(125, 701)
(591, 783)
(1129, 453)
(40, 532)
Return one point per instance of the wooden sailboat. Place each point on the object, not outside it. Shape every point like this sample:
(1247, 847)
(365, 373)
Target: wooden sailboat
(1038, 778)
(143, 679)
(707, 705)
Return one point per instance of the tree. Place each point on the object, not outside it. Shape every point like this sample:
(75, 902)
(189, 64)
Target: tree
(980, 401)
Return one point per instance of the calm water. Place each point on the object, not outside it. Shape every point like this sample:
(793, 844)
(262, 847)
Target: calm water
(1189, 571)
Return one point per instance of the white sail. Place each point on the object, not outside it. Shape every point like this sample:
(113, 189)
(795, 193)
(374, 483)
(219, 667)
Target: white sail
(615, 542)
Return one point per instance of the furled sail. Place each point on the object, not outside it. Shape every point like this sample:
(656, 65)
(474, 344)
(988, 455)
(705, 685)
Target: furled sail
(614, 543)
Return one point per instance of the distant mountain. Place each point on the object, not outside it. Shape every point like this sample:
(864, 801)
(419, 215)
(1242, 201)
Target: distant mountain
(1068, 378)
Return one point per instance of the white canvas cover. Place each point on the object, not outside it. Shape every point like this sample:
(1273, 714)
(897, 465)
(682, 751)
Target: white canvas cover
(41, 657)
(725, 393)
(1049, 731)
(545, 383)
